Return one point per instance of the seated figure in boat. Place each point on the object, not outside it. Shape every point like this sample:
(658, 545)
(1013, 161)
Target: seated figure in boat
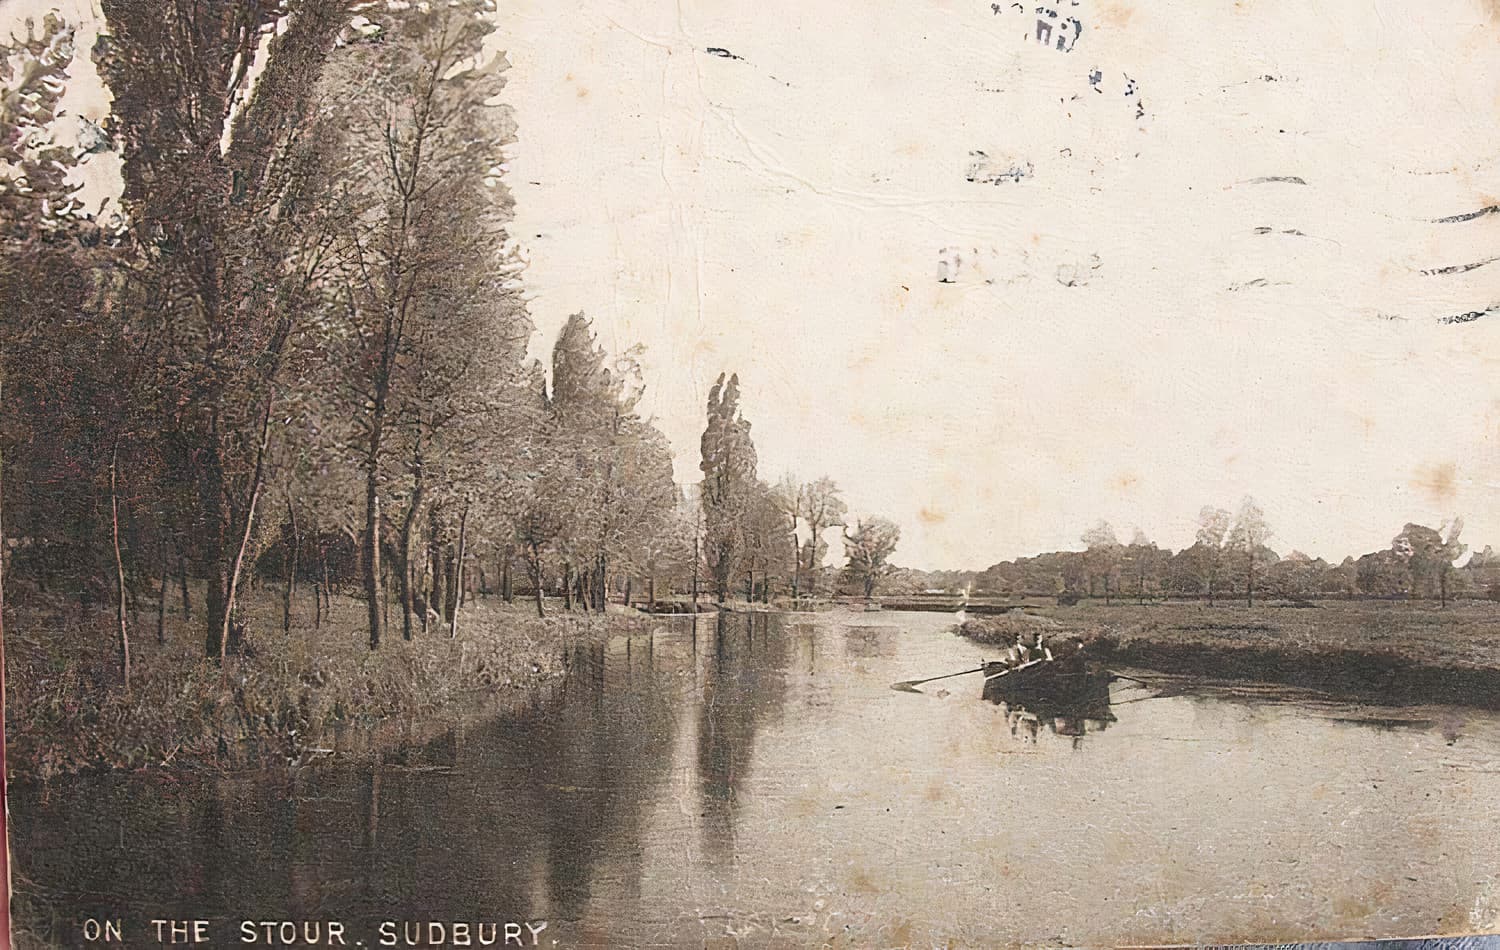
(1020, 651)
(1069, 651)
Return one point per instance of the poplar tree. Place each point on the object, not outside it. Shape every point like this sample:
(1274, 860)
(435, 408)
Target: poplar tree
(729, 483)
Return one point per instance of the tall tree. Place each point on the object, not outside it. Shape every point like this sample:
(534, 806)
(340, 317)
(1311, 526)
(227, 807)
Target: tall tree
(822, 508)
(787, 498)
(1142, 561)
(1102, 557)
(52, 258)
(33, 72)
(1429, 557)
(768, 536)
(869, 548)
(214, 170)
(729, 482)
(421, 252)
(1247, 540)
(1213, 534)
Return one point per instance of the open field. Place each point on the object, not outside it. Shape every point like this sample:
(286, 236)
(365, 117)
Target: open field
(67, 712)
(1397, 651)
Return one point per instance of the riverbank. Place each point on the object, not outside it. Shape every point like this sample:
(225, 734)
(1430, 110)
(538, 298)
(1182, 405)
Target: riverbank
(1395, 652)
(284, 701)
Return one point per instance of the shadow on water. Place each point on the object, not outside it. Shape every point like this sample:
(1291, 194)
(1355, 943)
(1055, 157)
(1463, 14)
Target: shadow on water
(1071, 711)
(518, 816)
(747, 685)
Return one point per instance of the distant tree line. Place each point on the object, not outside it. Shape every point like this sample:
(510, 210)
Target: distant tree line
(1231, 559)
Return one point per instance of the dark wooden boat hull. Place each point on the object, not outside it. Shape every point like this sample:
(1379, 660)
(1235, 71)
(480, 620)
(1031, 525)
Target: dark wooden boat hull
(1052, 689)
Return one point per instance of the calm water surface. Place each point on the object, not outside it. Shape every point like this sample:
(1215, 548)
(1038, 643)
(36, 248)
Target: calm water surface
(754, 780)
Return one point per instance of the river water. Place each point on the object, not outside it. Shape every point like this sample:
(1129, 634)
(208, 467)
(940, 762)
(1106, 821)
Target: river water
(753, 780)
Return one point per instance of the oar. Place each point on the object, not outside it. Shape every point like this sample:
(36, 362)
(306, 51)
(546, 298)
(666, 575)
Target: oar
(1016, 669)
(910, 686)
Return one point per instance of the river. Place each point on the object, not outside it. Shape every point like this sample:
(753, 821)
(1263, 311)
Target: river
(753, 780)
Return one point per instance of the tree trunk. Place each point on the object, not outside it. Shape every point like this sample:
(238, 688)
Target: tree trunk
(212, 530)
(601, 587)
(567, 583)
(438, 605)
(182, 575)
(450, 584)
(629, 584)
(294, 545)
(385, 600)
(536, 577)
(505, 580)
(463, 551)
(434, 605)
(796, 564)
(327, 581)
(408, 529)
(161, 601)
(371, 559)
(229, 583)
(695, 571)
(651, 591)
(123, 644)
(458, 572)
(2, 574)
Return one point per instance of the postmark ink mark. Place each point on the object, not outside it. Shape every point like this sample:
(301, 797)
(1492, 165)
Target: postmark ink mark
(1468, 215)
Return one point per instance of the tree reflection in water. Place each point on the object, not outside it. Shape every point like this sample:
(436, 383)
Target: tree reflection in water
(748, 682)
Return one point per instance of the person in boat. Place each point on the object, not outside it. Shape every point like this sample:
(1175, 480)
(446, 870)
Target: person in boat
(1028, 647)
(1067, 650)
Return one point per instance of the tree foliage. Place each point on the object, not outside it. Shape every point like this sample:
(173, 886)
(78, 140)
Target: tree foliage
(868, 549)
(729, 483)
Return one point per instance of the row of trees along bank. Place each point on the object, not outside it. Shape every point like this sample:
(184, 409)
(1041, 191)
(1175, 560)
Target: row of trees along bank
(775, 536)
(1231, 557)
(293, 349)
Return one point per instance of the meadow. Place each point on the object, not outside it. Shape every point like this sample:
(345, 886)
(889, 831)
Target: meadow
(1395, 651)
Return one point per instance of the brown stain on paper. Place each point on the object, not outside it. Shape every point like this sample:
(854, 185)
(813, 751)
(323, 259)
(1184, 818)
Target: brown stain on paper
(1438, 482)
(1116, 16)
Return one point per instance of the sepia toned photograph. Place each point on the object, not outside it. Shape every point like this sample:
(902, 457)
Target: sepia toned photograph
(710, 474)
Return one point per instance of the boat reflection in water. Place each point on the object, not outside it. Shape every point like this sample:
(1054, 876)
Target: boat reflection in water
(1071, 699)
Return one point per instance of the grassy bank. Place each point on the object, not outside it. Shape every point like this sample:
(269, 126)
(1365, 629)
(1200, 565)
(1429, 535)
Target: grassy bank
(1399, 652)
(67, 712)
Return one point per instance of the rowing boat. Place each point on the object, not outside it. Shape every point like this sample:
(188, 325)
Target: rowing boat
(1057, 685)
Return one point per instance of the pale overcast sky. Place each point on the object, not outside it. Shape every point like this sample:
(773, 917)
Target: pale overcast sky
(1119, 317)
(785, 213)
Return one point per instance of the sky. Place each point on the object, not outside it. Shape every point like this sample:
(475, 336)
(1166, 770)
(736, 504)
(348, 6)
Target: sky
(999, 290)
(1117, 319)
